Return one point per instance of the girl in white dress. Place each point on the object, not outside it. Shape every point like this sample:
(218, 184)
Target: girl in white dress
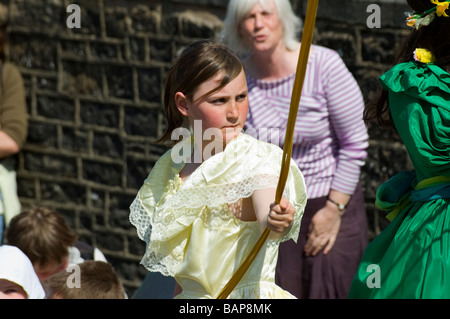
(208, 199)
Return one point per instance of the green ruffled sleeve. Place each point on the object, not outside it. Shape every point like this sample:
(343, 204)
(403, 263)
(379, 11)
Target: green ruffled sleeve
(419, 102)
(426, 82)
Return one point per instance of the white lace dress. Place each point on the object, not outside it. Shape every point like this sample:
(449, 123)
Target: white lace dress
(190, 231)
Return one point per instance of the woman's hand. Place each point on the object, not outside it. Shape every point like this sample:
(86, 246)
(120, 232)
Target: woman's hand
(323, 230)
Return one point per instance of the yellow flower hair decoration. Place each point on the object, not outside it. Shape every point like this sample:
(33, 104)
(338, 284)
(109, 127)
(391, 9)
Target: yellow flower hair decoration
(425, 18)
(424, 56)
(441, 7)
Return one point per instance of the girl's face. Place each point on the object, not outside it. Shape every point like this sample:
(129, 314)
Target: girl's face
(223, 113)
(11, 290)
(261, 27)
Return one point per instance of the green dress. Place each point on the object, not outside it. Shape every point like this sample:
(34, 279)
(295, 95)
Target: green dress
(411, 256)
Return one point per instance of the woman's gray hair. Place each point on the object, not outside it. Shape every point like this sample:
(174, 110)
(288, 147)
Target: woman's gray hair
(237, 9)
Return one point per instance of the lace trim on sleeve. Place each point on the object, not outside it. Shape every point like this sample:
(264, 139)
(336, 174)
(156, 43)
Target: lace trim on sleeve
(166, 242)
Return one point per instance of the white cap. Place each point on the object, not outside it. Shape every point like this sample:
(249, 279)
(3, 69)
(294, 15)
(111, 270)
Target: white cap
(16, 267)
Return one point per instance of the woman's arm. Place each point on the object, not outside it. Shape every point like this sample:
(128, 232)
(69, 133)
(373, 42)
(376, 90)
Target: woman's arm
(7, 145)
(345, 106)
(13, 112)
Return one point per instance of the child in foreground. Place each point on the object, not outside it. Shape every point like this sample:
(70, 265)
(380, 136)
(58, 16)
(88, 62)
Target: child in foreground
(207, 200)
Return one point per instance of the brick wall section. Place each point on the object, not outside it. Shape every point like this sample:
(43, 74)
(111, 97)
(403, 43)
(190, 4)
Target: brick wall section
(94, 102)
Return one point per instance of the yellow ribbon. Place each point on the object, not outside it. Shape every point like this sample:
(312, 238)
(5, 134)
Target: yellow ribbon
(308, 31)
(404, 201)
(432, 181)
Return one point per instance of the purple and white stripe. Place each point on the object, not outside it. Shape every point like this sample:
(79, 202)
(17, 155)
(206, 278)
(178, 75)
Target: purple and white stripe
(330, 139)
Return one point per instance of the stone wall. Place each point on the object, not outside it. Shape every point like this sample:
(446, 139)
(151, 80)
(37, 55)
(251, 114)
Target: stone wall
(94, 102)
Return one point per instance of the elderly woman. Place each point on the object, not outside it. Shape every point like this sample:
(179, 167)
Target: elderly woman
(330, 142)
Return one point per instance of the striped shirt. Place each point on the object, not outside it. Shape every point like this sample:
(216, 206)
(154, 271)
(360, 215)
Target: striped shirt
(330, 140)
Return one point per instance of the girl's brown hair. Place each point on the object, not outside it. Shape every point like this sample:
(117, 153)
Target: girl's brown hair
(434, 37)
(199, 62)
(42, 235)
